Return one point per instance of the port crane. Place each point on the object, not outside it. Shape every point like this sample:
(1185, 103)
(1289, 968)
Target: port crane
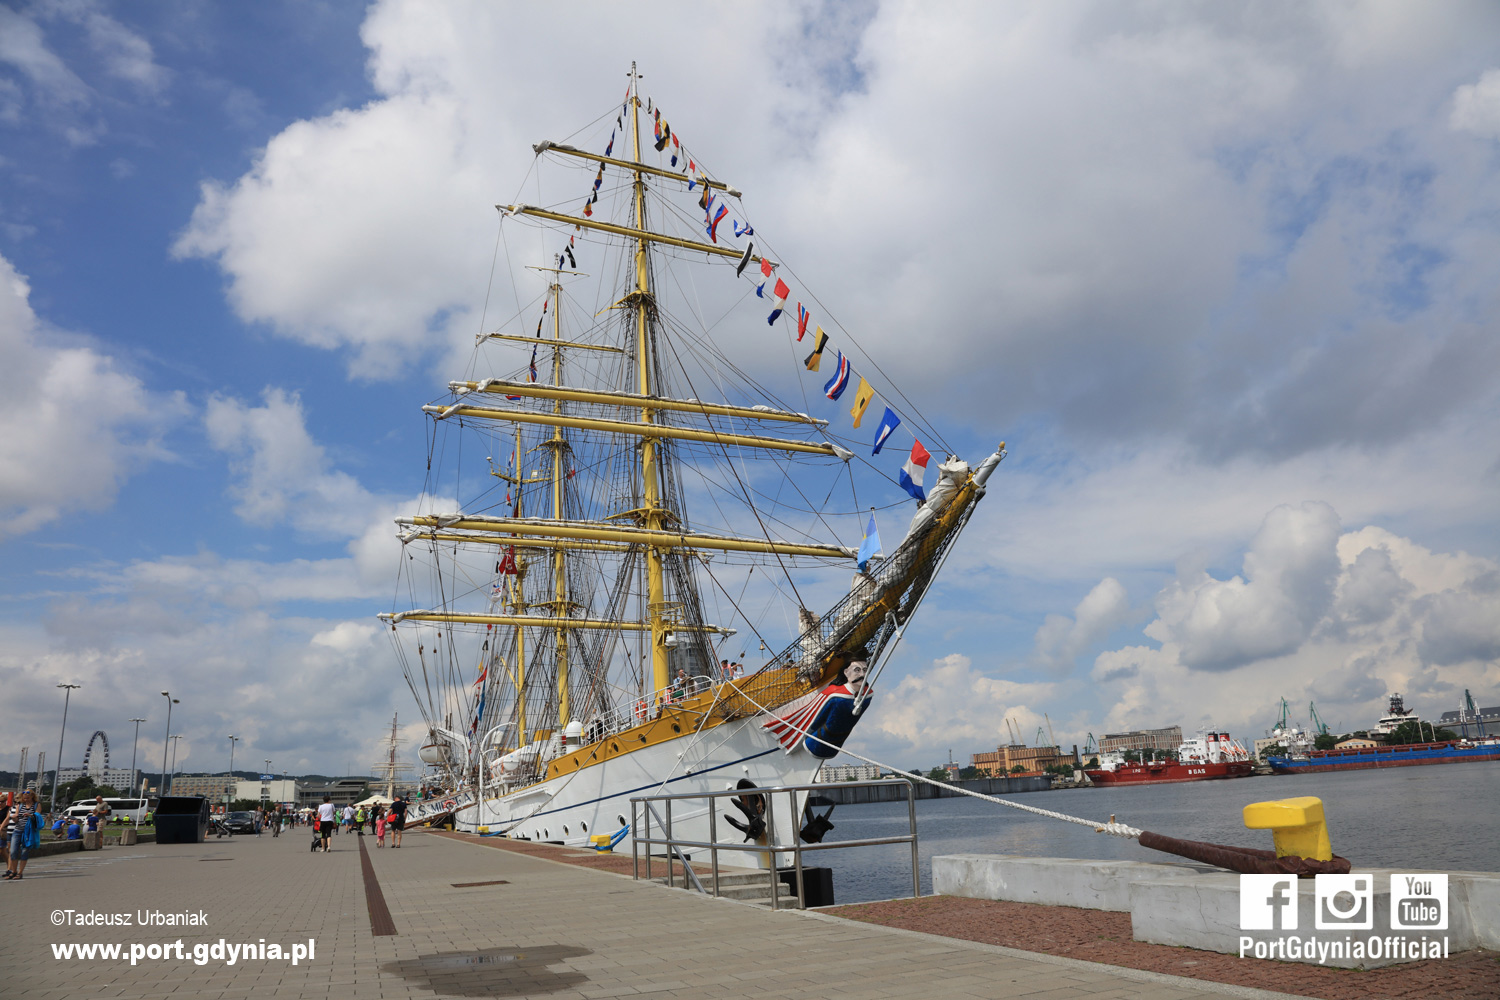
(1320, 728)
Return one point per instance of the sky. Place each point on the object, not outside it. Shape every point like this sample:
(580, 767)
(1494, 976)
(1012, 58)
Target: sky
(1223, 277)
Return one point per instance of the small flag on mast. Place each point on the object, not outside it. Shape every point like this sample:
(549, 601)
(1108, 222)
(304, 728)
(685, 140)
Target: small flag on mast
(765, 274)
(816, 357)
(802, 318)
(862, 399)
(870, 547)
(914, 471)
(840, 381)
(778, 301)
(888, 423)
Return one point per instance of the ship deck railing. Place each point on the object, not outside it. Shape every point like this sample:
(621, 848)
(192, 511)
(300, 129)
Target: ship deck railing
(643, 813)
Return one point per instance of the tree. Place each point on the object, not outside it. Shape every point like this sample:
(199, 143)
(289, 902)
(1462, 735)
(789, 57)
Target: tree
(1324, 741)
(938, 774)
(1093, 762)
(1412, 731)
(969, 773)
(1018, 769)
(1131, 756)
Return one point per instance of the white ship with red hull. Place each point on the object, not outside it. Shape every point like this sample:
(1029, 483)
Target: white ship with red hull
(1208, 756)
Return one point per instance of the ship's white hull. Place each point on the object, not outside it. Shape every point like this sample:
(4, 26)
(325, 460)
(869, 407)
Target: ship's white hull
(596, 800)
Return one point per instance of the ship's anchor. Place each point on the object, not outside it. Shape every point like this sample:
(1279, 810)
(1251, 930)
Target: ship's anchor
(754, 809)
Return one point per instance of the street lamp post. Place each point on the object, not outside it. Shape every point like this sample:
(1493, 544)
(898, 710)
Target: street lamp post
(227, 795)
(133, 745)
(174, 738)
(68, 690)
(166, 737)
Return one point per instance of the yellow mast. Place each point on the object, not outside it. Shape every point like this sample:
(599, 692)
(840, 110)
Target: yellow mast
(655, 515)
(560, 563)
(518, 605)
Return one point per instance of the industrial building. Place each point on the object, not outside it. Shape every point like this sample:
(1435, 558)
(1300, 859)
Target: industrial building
(1169, 738)
(1003, 761)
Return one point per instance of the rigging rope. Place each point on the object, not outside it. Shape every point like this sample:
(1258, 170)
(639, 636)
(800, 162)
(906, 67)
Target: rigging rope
(1112, 828)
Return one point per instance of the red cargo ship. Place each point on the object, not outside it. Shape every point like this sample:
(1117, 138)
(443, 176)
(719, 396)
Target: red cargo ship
(1207, 757)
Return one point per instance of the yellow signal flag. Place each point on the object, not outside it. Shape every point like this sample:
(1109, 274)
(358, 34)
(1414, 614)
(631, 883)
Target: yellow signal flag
(815, 359)
(862, 400)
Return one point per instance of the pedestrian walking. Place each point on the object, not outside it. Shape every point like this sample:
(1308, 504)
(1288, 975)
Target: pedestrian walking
(325, 821)
(397, 820)
(25, 832)
(380, 826)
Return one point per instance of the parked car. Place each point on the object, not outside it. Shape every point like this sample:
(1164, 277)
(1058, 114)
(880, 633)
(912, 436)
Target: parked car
(240, 822)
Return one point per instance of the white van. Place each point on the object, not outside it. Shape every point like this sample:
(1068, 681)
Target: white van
(131, 810)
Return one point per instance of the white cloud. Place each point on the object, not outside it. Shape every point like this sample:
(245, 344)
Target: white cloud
(1476, 106)
(950, 704)
(1388, 615)
(1249, 234)
(73, 426)
(283, 475)
(22, 46)
(1288, 584)
(65, 102)
(1061, 640)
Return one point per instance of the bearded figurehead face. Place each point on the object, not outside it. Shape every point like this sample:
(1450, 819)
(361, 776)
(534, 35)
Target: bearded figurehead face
(854, 675)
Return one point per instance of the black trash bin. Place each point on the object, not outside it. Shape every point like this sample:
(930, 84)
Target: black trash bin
(181, 819)
(818, 882)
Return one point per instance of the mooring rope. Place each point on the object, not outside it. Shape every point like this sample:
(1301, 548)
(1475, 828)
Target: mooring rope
(1112, 828)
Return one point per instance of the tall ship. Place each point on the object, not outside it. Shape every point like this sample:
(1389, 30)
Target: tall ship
(1209, 755)
(621, 503)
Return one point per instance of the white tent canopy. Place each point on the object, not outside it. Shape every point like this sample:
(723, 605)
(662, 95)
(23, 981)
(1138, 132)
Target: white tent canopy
(375, 800)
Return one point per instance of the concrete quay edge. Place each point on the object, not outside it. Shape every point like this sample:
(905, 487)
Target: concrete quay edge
(1185, 905)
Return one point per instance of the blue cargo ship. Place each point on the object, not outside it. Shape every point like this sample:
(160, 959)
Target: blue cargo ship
(1407, 755)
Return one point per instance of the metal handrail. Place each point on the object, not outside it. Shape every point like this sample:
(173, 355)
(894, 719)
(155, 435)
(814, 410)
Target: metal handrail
(643, 835)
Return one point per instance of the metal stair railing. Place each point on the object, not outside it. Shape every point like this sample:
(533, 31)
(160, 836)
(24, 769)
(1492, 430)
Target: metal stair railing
(643, 810)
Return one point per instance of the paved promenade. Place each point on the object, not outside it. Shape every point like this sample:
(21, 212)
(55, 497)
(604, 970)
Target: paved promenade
(539, 929)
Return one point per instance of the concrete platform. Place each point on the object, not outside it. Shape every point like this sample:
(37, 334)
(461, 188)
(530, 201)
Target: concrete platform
(1199, 907)
(467, 920)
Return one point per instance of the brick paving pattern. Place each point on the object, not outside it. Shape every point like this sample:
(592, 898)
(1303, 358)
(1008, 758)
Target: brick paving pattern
(1100, 936)
(544, 930)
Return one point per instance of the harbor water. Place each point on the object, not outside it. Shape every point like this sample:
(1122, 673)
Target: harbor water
(1444, 817)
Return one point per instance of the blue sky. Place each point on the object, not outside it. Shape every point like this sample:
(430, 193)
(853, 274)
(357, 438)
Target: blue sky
(1223, 279)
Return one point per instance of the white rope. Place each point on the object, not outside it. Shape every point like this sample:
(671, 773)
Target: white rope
(1112, 828)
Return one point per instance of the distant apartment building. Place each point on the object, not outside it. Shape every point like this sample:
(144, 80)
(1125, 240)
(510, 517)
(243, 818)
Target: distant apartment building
(1263, 743)
(1004, 760)
(849, 772)
(340, 793)
(1169, 738)
(210, 786)
(122, 779)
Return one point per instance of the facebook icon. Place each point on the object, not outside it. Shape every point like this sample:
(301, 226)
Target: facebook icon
(1268, 902)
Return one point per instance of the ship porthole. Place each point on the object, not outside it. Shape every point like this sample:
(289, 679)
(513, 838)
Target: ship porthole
(565, 830)
(614, 747)
(676, 728)
(546, 832)
(585, 827)
(621, 819)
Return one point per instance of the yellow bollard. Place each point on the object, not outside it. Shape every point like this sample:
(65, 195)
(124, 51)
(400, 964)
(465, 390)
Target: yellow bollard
(1296, 826)
(483, 829)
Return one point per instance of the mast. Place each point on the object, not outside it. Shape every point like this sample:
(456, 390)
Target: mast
(518, 607)
(655, 515)
(558, 445)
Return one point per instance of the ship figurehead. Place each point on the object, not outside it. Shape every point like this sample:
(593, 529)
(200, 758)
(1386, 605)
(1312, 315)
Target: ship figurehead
(820, 721)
